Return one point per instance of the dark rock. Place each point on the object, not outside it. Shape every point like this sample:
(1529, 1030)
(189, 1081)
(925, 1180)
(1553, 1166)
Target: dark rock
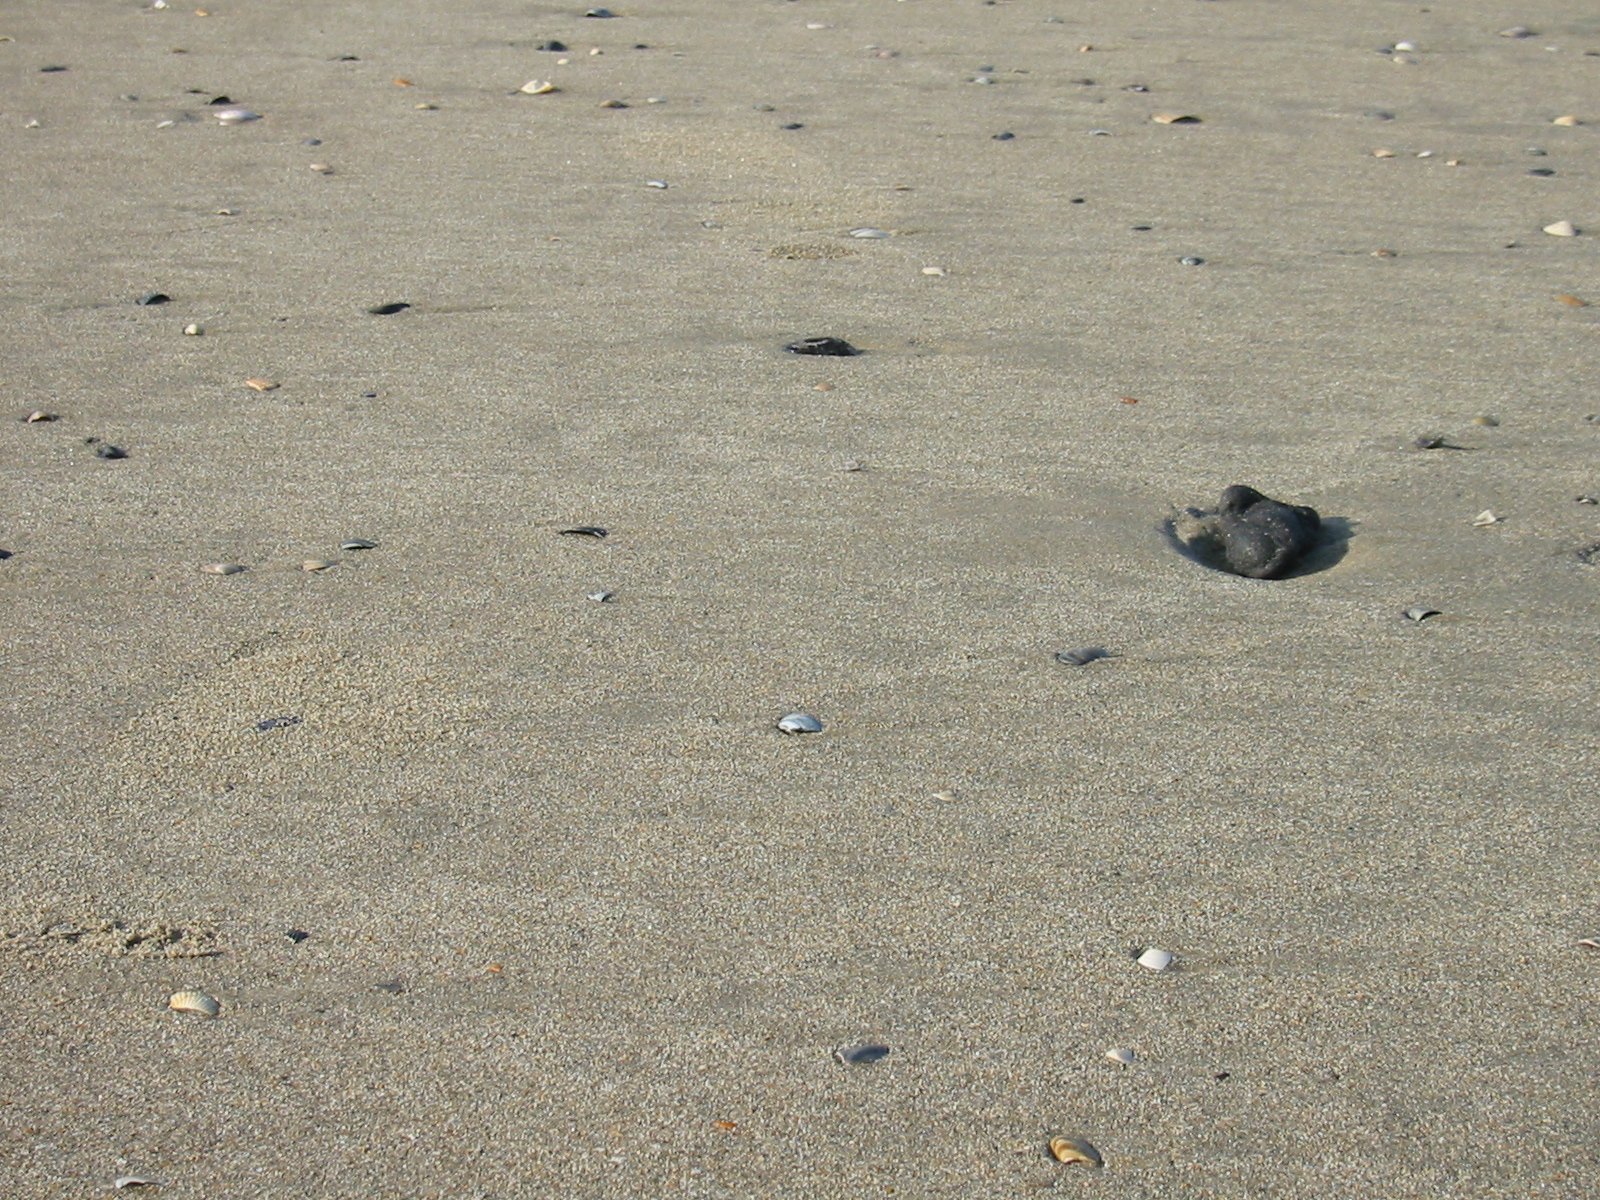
(388, 310)
(107, 450)
(1262, 538)
(150, 298)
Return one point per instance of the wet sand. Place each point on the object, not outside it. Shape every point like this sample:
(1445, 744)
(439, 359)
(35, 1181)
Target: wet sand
(580, 921)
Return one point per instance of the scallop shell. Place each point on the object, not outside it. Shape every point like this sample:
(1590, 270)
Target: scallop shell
(1155, 959)
(1071, 1150)
(799, 722)
(195, 1002)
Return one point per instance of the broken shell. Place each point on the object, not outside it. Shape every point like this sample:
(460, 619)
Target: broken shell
(235, 116)
(825, 347)
(589, 531)
(538, 87)
(193, 330)
(222, 568)
(1175, 119)
(194, 1002)
(937, 272)
(1589, 943)
(133, 1181)
(799, 723)
(38, 415)
(867, 231)
(1419, 614)
(1122, 1056)
(861, 1054)
(602, 596)
(317, 564)
(1562, 229)
(321, 168)
(261, 385)
(1382, 153)
(1154, 959)
(1572, 301)
(389, 309)
(1568, 121)
(1082, 657)
(357, 544)
(1072, 1150)
(1486, 517)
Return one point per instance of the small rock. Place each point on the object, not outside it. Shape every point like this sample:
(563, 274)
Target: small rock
(150, 298)
(828, 347)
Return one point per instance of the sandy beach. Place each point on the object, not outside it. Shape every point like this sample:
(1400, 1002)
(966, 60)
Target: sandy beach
(506, 891)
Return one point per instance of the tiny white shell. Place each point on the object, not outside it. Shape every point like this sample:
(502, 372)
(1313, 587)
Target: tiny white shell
(222, 568)
(799, 723)
(602, 596)
(235, 116)
(193, 330)
(1420, 614)
(195, 1002)
(133, 1181)
(1486, 517)
(538, 87)
(317, 564)
(1154, 959)
(867, 231)
(1562, 229)
(1122, 1056)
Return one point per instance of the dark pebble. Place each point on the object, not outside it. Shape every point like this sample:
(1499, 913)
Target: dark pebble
(1589, 555)
(1143, 228)
(107, 450)
(792, 125)
(826, 347)
(220, 100)
(4, 554)
(296, 935)
(551, 45)
(1082, 657)
(589, 531)
(312, 142)
(1005, 136)
(388, 310)
(1189, 260)
(272, 723)
(150, 298)
(1076, 200)
(393, 986)
(51, 70)
(347, 58)
(862, 1055)
(1262, 538)
(1542, 172)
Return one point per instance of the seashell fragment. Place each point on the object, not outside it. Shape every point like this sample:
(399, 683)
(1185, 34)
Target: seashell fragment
(259, 384)
(1589, 943)
(193, 330)
(829, 347)
(1572, 301)
(317, 564)
(1486, 421)
(107, 450)
(321, 168)
(38, 415)
(868, 232)
(1485, 518)
(861, 1054)
(357, 544)
(1075, 1150)
(1419, 614)
(589, 531)
(1517, 31)
(1083, 656)
(1383, 152)
(195, 1002)
(235, 116)
(133, 1181)
(538, 87)
(659, 184)
(938, 272)
(1562, 229)
(389, 309)
(799, 723)
(222, 568)
(1567, 121)
(1167, 118)
(1122, 1056)
(601, 597)
(1154, 959)
(150, 298)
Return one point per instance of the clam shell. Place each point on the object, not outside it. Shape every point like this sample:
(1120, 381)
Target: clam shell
(1083, 656)
(195, 1002)
(538, 87)
(357, 544)
(235, 116)
(259, 384)
(1072, 1150)
(222, 568)
(799, 722)
(861, 1053)
(1419, 614)
(1122, 1056)
(602, 596)
(38, 415)
(133, 1181)
(1154, 959)
(317, 564)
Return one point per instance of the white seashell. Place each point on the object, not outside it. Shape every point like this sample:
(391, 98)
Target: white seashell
(1405, 47)
(1562, 229)
(193, 330)
(222, 568)
(799, 723)
(538, 87)
(867, 231)
(133, 1181)
(1121, 1056)
(602, 596)
(1486, 517)
(1567, 121)
(358, 544)
(195, 1002)
(1154, 959)
(235, 116)
(317, 564)
(659, 184)
(1071, 1150)
(38, 415)
(936, 271)
(1419, 614)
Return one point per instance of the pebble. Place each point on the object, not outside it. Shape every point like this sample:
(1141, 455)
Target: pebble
(1541, 172)
(317, 564)
(600, 14)
(259, 384)
(357, 544)
(1562, 229)
(1253, 535)
(827, 347)
(799, 723)
(236, 116)
(1005, 136)
(220, 568)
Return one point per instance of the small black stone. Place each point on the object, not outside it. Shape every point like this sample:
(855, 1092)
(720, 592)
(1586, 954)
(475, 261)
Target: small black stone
(107, 450)
(220, 100)
(296, 935)
(393, 986)
(51, 70)
(1005, 136)
(1542, 172)
(792, 125)
(347, 58)
(552, 44)
(1143, 228)
(150, 298)
(4, 554)
(826, 347)
(1076, 200)
(388, 310)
